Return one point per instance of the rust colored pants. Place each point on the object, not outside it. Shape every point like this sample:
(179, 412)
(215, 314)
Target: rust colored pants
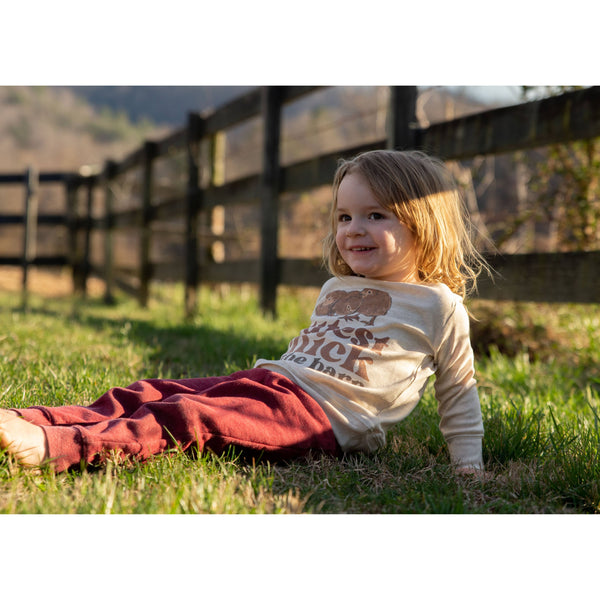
(256, 410)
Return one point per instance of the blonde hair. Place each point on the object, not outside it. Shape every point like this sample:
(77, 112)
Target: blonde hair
(422, 193)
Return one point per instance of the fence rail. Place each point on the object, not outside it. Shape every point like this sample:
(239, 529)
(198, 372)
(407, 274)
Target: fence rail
(538, 277)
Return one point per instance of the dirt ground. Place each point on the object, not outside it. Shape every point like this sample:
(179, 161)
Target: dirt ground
(48, 283)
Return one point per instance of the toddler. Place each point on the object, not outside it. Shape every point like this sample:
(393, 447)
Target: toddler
(391, 316)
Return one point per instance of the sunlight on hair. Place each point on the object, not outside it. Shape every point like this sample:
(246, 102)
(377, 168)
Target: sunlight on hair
(422, 193)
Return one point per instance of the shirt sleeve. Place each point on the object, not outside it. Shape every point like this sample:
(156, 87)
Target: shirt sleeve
(456, 392)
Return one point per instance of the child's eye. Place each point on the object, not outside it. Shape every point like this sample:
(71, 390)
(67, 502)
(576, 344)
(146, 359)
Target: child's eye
(375, 216)
(343, 218)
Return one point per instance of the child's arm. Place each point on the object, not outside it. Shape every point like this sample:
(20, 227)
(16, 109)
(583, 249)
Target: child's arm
(456, 391)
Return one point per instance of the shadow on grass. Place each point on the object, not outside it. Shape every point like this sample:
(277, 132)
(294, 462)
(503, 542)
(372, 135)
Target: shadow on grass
(175, 350)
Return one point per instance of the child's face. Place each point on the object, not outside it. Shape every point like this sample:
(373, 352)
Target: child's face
(371, 239)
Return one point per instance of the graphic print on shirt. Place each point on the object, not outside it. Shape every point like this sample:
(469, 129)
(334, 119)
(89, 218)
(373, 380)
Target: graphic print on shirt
(352, 305)
(343, 348)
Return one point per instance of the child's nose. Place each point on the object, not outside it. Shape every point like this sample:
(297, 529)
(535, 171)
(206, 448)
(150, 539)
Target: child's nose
(355, 227)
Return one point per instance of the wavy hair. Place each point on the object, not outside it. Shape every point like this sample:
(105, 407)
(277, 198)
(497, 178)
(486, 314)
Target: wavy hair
(422, 193)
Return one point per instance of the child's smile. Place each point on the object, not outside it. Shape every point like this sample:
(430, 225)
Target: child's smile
(371, 239)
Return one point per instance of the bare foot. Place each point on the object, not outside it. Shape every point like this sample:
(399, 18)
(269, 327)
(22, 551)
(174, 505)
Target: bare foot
(24, 440)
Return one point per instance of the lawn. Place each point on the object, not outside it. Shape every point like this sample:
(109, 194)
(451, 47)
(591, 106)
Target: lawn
(538, 369)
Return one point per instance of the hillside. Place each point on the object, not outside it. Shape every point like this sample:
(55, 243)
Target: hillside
(53, 129)
(166, 105)
(59, 128)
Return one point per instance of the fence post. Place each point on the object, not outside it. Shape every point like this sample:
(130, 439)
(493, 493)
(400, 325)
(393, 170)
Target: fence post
(150, 150)
(86, 262)
(402, 119)
(109, 268)
(75, 256)
(30, 233)
(270, 183)
(193, 207)
(215, 220)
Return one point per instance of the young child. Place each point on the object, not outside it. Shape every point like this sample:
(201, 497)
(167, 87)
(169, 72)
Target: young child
(392, 316)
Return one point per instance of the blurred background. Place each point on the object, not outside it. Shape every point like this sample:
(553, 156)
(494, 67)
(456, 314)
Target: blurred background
(78, 128)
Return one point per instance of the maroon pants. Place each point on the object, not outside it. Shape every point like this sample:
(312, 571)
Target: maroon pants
(256, 410)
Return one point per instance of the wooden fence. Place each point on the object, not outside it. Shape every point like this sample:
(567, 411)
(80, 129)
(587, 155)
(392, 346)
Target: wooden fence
(570, 277)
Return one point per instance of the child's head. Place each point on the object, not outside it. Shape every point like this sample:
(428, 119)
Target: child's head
(422, 194)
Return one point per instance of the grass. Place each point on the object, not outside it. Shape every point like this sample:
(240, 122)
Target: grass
(541, 406)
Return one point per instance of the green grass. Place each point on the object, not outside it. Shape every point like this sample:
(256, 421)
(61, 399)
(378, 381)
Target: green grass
(541, 409)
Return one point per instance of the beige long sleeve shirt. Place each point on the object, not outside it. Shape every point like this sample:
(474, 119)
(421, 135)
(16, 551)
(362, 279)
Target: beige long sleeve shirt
(369, 352)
